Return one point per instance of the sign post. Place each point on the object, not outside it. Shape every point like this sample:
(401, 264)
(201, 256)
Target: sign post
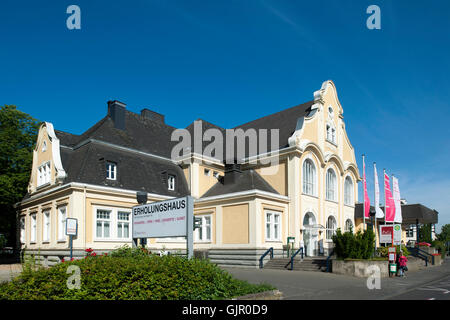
(71, 231)
(169, 218)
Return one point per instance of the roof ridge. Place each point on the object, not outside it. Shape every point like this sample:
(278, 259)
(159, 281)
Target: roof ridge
(275, 113)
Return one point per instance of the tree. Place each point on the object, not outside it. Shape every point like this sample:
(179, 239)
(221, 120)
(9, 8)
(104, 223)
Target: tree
(444, 236)
(18, 133)
(425, 233)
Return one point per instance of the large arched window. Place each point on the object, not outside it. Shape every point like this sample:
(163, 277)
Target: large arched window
(348, 191)
(309, 177)
(331, 227)
(331, 186)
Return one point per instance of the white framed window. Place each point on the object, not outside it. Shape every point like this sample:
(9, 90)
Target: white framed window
(348, 191)
(22, 230)
(43, 174)
(44, 146)
(62, 215)
(331, 227)
(123, 224)
(111, 224)
(171, 182)
(309, 177)
(103, 224)
(203, 233)
(33, 228)
(111, 171)
(273, 226)
(331, 133)
(331, 190)
(46, 226)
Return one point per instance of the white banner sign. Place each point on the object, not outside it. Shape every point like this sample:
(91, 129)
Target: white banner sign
(162, 219)
(386, 234)
(396, 195)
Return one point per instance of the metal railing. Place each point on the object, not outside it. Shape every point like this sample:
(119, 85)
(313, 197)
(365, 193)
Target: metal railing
(291, 262)
(422, 255)
(328, 260)
(261, 260)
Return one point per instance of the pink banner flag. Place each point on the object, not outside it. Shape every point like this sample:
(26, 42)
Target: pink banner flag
(389, 201)
(366, 195)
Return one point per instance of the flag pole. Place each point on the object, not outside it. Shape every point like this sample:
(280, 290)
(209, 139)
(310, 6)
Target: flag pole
(375, 205)
(364, 195)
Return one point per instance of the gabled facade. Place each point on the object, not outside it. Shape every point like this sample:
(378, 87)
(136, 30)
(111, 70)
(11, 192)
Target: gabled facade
(245, 208)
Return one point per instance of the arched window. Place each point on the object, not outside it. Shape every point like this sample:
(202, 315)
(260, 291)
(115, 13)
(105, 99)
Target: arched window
(309, 177)
(331, 192)
(331, 227)
(348, 191)
(348, 225)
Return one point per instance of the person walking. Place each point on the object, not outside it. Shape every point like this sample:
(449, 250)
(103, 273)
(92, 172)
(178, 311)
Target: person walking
(402, 260)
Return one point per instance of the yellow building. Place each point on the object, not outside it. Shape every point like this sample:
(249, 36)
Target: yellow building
(246, 207)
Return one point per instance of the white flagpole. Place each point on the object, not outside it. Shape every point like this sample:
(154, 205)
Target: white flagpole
(384, 188)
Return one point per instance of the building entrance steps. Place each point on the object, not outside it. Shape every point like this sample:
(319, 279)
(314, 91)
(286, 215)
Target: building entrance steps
(308, 264)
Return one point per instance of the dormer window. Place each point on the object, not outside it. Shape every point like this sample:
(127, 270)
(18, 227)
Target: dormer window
(44, 146)
(171, 182)
(111, 171)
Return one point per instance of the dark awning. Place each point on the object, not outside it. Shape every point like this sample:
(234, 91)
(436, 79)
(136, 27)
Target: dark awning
(410, 213)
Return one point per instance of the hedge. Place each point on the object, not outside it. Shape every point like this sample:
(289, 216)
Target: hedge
(129, 274)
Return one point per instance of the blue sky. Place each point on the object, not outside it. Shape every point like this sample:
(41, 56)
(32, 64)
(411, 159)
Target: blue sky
(214, 59)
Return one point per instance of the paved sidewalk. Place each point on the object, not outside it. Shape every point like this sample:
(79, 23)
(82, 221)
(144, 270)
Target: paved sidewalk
(304, 285)
(9, 271)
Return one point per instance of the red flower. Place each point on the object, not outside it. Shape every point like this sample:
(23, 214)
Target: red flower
(72, 259)
(93, 254)
(105, 254)
(89, 250)
(62, 260)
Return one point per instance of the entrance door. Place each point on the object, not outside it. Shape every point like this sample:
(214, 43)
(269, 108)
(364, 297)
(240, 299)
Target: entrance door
(310, 234)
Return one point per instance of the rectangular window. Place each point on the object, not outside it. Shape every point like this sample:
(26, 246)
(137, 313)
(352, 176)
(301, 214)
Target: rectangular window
(46, 227)
(123, 224)
(62, 215)
(273, 227)
(22, 230)
(33, 228)
(203, 233)
(103, 224)
(43, 174)
(171, 182)
(111, 171)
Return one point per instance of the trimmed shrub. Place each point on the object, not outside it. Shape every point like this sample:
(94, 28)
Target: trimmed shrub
(129, 274)
(348, 245)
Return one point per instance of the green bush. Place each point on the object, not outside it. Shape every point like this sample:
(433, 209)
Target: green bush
(383, 251)
(348, 245)
(129, 274)
(440, 246)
